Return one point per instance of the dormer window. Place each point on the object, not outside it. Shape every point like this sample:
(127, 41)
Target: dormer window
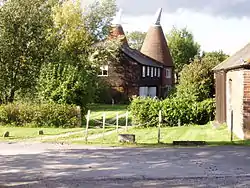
(143, 71)
(168, 73)
(103, 70)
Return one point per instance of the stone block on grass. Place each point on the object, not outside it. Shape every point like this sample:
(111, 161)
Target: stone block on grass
(126, 138)
(6, 134)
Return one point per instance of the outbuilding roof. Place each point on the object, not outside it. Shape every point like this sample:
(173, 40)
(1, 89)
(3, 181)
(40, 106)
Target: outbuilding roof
(239, 59)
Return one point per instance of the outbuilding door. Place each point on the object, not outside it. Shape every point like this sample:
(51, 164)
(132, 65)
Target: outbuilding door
(220, 85)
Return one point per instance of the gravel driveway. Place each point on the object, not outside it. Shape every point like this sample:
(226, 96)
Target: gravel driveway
(50, 165)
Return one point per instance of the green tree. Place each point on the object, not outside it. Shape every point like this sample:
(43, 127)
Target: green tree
(71, 76)
(136, 39)
(214, 57)
(23, 45)
(183, 48)
(196, 78)
(98, 17)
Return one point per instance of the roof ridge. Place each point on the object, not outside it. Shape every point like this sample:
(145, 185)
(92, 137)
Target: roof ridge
(144, 55)
(220, 66)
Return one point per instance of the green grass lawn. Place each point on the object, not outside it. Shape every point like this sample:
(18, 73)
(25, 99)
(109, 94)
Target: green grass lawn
(19, 133)
(148, 136)
(144, 136)
(97, 111)
(81, 136)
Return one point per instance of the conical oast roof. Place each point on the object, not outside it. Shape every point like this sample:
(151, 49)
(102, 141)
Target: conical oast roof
(155, 44)
(116, 28)
(117, 32)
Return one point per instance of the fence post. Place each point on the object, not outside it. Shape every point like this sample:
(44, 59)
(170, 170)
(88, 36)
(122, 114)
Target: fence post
(87, 126)
(117, 121)
(103, 126)
(179, 122)
(127, 121)
(79, 115)
(159, 127)
(232, 125)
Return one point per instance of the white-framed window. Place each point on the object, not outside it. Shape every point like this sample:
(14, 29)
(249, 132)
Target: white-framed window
(148, 71)
(152, 71)
(143, 71)
(103, 70)
(168, 73)
(159, 72)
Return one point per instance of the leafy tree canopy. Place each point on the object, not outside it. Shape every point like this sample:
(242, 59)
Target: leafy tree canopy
(23, 44)
(196, 79)
(71, 75)
(136, 39)
(182, 46)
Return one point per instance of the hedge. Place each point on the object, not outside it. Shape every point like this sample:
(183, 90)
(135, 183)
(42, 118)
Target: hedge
(145, 111)
(40, 115)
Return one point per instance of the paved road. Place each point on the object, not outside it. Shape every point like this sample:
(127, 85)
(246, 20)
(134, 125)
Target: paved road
(49, 165)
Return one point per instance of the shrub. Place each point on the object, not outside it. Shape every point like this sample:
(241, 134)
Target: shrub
(40, 115)
(145, 110)
(205, 111)
(188, 111)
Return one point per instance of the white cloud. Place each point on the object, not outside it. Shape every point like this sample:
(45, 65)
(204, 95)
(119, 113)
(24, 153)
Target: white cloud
(224, 8)
(213, 33)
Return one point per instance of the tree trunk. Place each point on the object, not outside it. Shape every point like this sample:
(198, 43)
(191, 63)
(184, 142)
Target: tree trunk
(11, 98)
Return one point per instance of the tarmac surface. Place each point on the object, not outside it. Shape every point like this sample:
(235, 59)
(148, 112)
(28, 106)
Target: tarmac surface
(53, 165)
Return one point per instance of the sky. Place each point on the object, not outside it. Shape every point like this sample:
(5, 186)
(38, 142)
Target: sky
(215, 24)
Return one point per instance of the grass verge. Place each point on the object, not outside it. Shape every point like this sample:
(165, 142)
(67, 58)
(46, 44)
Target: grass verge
(148, 136)
(20, 133)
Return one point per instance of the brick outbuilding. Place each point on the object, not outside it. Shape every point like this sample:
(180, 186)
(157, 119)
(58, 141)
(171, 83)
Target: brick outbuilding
(232, 81)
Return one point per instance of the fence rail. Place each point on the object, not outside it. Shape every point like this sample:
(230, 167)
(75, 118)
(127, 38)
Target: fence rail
(116, 124)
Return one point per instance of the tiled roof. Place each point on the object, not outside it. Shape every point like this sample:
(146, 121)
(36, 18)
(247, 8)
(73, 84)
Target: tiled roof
(139, 57)
(156, 47)
(240, 58)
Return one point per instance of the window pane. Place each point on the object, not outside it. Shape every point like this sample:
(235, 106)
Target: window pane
(152, 72)
(168, 73)
(143, 71)
(105, 73)
(159, 72)
(148, 71)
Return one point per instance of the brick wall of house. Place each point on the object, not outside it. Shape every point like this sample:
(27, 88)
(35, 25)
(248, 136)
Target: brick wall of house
(236, 94)
(246, 104)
